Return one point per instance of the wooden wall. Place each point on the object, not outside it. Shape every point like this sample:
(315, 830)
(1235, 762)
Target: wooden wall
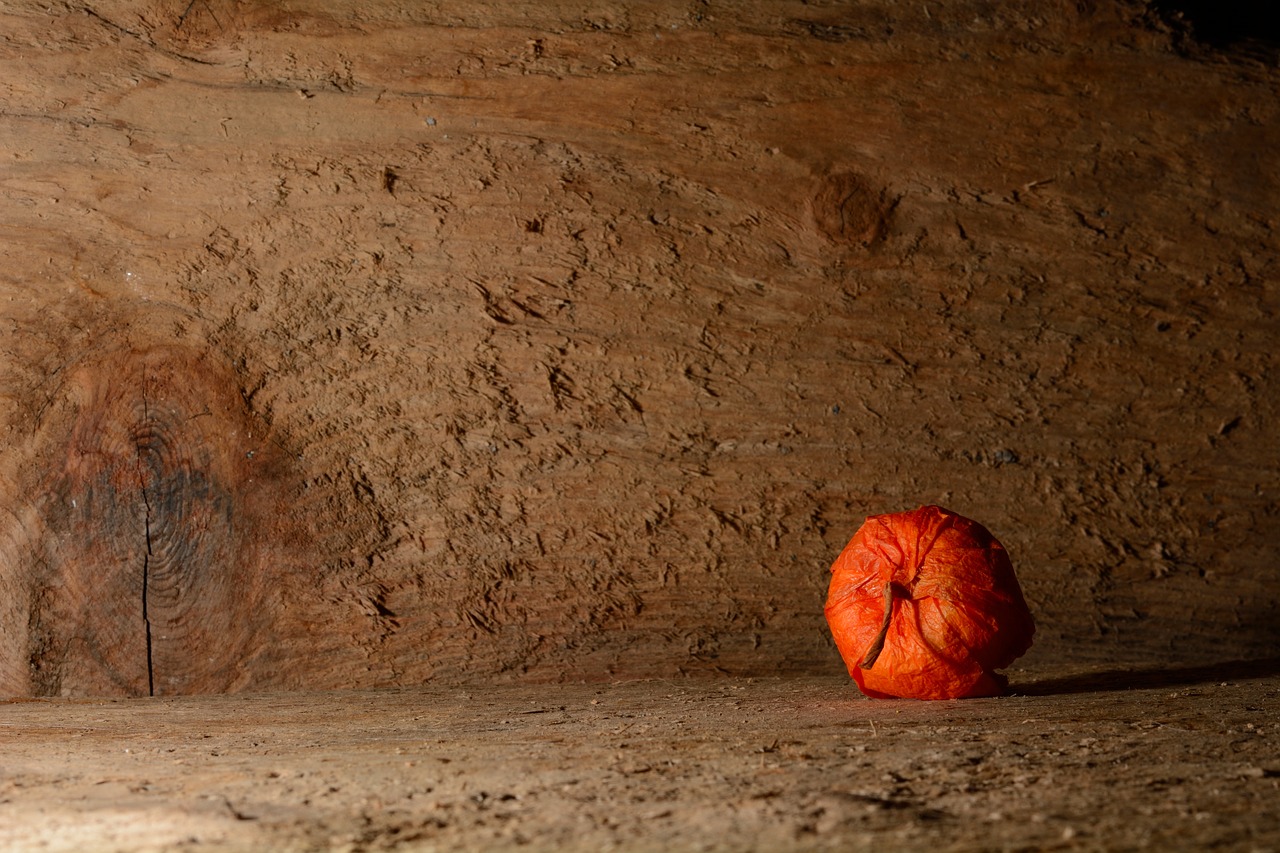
(358, 344)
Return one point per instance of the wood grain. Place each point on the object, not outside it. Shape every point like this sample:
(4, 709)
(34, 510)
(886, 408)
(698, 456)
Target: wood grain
(151, 581)
(588, 337)
(1093, 760)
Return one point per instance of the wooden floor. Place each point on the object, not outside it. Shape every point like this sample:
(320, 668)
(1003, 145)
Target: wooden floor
(1182, 759)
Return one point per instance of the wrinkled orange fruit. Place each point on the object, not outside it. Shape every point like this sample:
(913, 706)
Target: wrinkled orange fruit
(925, 605)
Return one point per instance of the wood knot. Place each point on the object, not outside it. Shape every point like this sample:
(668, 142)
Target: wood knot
(849, 209)
(151, 570)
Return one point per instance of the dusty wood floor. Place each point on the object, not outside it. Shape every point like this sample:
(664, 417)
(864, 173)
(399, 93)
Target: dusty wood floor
(1181, 759)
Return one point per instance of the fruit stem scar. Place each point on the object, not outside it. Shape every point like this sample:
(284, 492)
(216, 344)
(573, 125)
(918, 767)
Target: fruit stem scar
(877, 645)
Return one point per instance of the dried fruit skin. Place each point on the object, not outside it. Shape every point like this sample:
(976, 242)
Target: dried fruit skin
(935, 591)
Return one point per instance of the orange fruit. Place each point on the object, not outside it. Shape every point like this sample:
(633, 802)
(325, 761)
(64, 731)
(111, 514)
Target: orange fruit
(925, 605)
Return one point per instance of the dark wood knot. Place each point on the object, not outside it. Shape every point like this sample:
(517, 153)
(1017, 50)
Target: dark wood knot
(849, 209)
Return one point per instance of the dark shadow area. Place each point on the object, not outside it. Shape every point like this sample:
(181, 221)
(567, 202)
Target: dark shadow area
(1245, 26)
(1146, 679)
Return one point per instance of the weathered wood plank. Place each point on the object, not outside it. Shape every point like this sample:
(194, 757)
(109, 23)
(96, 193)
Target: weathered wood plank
(1169, 759)
(584, 343)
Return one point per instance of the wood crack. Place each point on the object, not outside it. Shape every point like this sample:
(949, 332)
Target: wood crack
(146, 555)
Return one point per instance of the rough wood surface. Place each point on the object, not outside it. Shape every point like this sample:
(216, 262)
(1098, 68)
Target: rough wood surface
(1169, 760)
(551, 341)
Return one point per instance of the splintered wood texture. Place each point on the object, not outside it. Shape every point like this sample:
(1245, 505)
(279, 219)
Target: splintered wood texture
(1162, 761)
(588, 335)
